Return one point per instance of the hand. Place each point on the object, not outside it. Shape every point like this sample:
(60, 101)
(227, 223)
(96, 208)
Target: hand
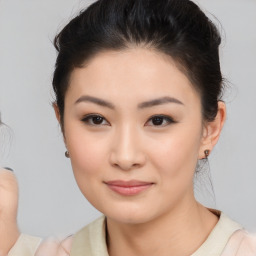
(9, 232)
(53, 247)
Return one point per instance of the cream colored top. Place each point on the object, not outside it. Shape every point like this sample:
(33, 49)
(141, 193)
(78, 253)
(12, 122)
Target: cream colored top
(25, 246)
(226, 239)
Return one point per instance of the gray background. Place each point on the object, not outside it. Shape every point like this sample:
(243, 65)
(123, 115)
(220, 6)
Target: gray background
(50, 202)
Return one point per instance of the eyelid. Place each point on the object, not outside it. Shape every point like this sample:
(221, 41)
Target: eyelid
(169, 119)
(89, 116)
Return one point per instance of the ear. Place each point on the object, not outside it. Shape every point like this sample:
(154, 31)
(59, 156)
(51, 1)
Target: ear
(57, 112)
(212, 130)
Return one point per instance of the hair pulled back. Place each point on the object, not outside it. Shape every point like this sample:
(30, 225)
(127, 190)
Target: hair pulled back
(177, 28)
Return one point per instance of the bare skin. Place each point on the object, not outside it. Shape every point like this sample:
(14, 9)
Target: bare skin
(9, 232)
(129, 236)
(126, 145)
(132, 239)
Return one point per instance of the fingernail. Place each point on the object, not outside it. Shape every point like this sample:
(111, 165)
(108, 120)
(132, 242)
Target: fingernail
(7, 168)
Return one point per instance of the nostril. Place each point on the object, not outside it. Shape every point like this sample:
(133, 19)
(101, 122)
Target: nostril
(126, 154)
(126, 166)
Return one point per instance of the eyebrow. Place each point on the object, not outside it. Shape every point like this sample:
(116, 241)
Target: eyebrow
(95, 100)
(159, 101)
(146, 104)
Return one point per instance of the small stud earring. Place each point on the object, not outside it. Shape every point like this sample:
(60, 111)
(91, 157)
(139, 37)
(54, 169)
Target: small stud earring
(67, 154)
(206, 153)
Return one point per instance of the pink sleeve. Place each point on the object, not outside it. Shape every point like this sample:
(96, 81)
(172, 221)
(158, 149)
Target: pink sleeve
(241, 244)
(53, 247)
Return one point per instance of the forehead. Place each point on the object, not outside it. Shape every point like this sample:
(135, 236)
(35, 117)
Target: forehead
(135, 73)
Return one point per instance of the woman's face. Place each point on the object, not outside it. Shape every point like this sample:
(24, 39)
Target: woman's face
(133, 128)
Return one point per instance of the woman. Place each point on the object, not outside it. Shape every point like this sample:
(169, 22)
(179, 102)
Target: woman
(138, 97)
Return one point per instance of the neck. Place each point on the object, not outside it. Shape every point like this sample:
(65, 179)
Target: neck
(180, 233)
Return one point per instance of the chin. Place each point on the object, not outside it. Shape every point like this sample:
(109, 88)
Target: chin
(126, 210)
(131, 220)
(129, 216)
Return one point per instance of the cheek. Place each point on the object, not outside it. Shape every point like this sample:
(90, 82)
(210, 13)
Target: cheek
(87, 153)
(88, 156)
(175, 155)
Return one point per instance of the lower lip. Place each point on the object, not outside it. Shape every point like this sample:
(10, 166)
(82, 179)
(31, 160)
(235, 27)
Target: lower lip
(129, 191)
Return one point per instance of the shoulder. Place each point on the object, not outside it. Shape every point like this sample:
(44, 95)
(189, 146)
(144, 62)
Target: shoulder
(33, 246)
(241, 243)
(91, 240)
(84, 240)
(219, 236)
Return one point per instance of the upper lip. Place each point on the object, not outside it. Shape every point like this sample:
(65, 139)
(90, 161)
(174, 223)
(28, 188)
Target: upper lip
(129, 183)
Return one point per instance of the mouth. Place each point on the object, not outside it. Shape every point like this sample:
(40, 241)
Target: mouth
(128, 188)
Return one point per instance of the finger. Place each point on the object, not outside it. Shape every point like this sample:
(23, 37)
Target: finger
(8, 195)
(53, 247)
(65, 247)
(48, 248)
(9, 232)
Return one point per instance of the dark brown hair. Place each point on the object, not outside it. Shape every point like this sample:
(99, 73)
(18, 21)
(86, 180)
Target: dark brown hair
(177, 28)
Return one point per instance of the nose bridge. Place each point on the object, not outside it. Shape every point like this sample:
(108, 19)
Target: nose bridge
(125, 146)
(126, 151)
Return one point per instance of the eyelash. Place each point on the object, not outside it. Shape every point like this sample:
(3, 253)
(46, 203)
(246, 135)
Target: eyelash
(88, 119)
(169, 120)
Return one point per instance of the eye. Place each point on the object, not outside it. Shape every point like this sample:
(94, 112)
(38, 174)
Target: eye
(95, 120)
(160, 120)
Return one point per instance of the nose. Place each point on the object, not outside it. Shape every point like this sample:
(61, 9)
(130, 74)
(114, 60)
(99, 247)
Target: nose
(127, 153)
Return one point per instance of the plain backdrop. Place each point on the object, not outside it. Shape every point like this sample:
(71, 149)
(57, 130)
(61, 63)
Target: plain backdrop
(50, 202)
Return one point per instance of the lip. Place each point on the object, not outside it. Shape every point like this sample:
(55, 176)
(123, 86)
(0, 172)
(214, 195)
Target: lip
(128, 188)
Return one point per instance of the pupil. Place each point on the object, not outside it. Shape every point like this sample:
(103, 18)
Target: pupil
(97, 119)
(157, 120)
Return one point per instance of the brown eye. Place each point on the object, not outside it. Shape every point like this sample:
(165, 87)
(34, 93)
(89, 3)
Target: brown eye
(96, 120)
(157, 120)
(160, 120)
